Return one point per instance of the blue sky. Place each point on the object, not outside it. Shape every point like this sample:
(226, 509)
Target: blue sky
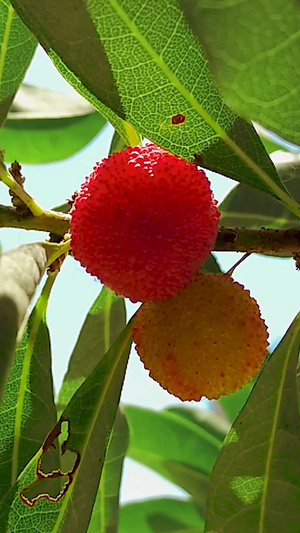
(273, 282)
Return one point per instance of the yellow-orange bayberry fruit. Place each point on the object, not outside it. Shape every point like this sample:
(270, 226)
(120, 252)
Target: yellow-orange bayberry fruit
(209, 340)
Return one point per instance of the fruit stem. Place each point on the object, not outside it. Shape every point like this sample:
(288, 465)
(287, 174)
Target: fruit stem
(232, 269)
(58, 250)
(133, 136)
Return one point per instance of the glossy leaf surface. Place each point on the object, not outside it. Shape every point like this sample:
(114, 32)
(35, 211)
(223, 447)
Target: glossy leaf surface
(268, 44)
(27, 411)
(150, 61)
(17, 46)
(44, 126)
(66, 32)
(90, 417)
(255, 483)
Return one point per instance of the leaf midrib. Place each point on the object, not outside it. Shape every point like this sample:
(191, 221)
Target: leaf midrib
(40, 315)
(67, 497)
(262, 513)
(106, 336)
(4, 46)
(189, 97)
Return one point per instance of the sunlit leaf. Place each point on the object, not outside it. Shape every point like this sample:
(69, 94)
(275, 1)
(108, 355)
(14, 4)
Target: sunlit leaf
(150, 61)
(168, 100)
(90, 415)
(44, 126)
(89, 418)
(253, 48)
(69, 37)
(27, 411)
(161, 516)
(255, 483)
(22, 517)
(117, 143)
(16, 51)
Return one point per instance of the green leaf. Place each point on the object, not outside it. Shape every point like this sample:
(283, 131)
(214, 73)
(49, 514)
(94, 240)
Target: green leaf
(62, 208)
(22, 517)
(17, 49)
(104, 322)
(203, 419)
(89, 417)
(253, 49)
(67, 31)
(146, 50)
(160, 73)
(117, 143)
(178, 445)
(250, 208)
(69, 37)
(44, 126)
(270, 145)
(221, 159)
(211, 265)
(161, 516)
(4, 108)
(105, 517)
(234, 403)
(27, 411)
(255, 483)
(21, 270)
(272, 142)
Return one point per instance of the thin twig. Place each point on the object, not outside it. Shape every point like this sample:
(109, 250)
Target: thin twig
(241, 260)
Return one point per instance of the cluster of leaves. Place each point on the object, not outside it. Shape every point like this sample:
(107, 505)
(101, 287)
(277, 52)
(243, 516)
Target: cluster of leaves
(140, 68)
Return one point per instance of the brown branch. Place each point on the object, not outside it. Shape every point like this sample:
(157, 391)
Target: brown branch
(50, 221)
(276, 242)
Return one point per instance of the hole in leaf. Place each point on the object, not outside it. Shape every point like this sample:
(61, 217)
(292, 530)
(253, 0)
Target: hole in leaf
(52, 483)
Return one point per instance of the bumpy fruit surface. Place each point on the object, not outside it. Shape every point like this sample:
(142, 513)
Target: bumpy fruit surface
(144, 222)
(209, 340)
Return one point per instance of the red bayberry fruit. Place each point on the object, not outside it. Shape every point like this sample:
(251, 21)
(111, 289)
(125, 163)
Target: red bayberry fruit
(208, 340)
(144, 222)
